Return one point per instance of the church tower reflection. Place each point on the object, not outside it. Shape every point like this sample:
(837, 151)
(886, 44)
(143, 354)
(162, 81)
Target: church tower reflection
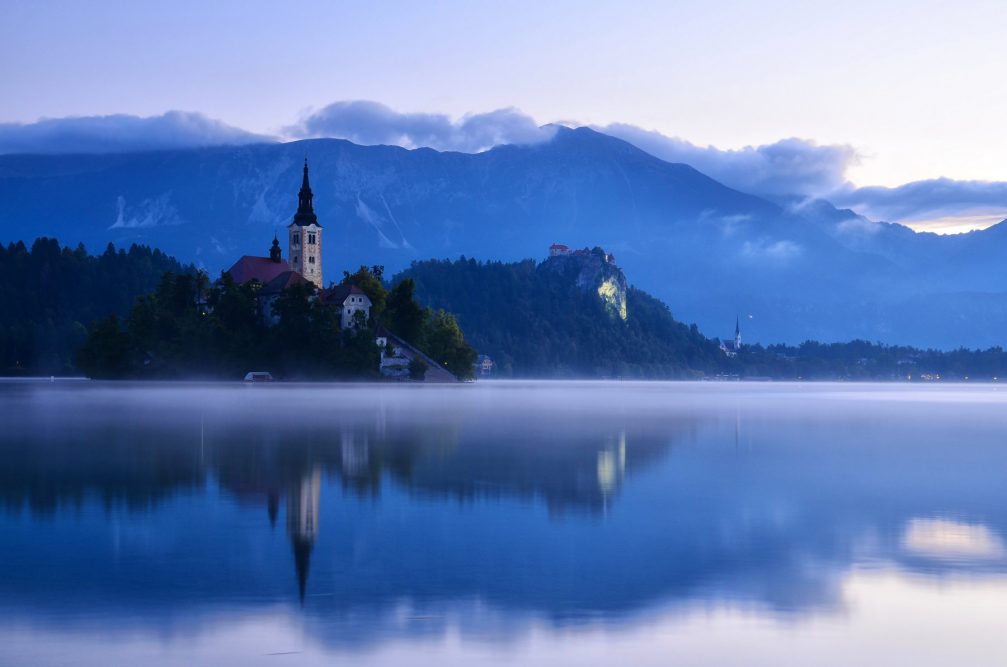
(302, 523)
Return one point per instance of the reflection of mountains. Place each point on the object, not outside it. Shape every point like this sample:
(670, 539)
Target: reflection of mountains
(764, 507)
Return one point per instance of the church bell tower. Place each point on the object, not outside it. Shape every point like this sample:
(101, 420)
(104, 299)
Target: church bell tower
(305, 236)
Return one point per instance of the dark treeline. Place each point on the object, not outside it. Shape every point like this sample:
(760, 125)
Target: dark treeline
(536, 323)
(862, 360)
(50, 294)
(189, 328)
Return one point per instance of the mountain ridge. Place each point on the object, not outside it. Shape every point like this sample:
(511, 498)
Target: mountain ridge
(709, 251)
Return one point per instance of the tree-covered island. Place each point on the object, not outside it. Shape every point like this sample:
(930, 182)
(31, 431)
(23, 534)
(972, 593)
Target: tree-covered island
(188, 328)
(137, 313)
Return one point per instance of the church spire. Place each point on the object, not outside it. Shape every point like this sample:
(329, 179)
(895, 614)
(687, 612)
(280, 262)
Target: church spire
(305, 208)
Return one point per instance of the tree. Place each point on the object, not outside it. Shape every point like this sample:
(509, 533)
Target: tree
(446, 345)
(107, 351)
(403, 315)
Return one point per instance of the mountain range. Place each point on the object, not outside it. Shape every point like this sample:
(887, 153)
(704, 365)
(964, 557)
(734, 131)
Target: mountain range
(791, 269)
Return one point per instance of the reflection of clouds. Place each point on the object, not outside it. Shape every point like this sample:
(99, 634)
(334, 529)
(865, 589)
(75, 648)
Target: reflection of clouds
(894, 619)
(947, 539)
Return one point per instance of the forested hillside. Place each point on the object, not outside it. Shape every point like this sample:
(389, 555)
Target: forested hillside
(49, 295)
(536, 322)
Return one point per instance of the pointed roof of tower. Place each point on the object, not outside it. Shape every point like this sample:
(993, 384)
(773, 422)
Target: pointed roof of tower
(737, 325)
(302, 563)
(305, 207)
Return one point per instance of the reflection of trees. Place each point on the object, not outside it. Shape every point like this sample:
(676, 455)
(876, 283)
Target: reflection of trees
(47, 466)
(272, 463)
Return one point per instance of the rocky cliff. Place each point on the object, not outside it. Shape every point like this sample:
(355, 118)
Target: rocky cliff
(594, 270)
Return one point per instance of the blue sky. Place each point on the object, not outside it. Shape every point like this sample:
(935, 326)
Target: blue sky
(911, 90)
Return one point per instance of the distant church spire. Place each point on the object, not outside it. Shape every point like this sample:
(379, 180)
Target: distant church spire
(305, 208)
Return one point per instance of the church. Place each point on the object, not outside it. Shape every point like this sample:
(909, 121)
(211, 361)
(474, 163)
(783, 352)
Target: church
(730, 348)
(304, 248)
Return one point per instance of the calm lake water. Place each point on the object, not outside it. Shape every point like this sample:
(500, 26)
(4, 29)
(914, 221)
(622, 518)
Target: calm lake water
(503, 523)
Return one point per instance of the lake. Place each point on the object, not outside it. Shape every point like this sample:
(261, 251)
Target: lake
(525, 523)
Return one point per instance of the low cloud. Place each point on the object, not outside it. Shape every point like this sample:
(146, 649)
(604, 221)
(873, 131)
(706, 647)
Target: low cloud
(787, 167)
(371, 123)
(121, 133)
(941, 204)
(777, 252)
(806, 169)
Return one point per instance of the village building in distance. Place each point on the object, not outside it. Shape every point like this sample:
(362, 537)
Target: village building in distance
(730, 348)
(560, 250)
(273, 274)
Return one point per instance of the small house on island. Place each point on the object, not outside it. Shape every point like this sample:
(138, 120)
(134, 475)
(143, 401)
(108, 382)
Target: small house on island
(353, 303)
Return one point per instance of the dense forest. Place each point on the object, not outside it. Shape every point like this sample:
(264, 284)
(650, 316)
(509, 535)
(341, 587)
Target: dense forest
(535, 322)
(50, 294)
(190, 328)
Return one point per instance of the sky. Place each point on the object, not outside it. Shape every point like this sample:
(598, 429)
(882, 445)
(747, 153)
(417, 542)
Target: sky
(904, 91)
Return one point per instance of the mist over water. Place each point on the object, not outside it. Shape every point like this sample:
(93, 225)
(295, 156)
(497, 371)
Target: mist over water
(503, 523)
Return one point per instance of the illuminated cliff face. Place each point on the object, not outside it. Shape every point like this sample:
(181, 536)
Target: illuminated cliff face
(612, 292)
(594, 271)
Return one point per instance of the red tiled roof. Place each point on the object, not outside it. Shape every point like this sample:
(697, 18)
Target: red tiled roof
(339, 293)
(262, 269)
(282, 282)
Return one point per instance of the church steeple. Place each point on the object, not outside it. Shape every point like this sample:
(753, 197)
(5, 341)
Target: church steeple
(304, 235)
(305, 208)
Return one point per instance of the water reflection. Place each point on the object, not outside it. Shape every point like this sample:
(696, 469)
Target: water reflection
(370, 515)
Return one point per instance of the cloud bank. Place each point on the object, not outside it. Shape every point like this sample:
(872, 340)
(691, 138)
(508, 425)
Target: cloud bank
(790, 167)
(371, 123)
(806, 169)
(787, 167)
(121, 133)
(940, 204)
